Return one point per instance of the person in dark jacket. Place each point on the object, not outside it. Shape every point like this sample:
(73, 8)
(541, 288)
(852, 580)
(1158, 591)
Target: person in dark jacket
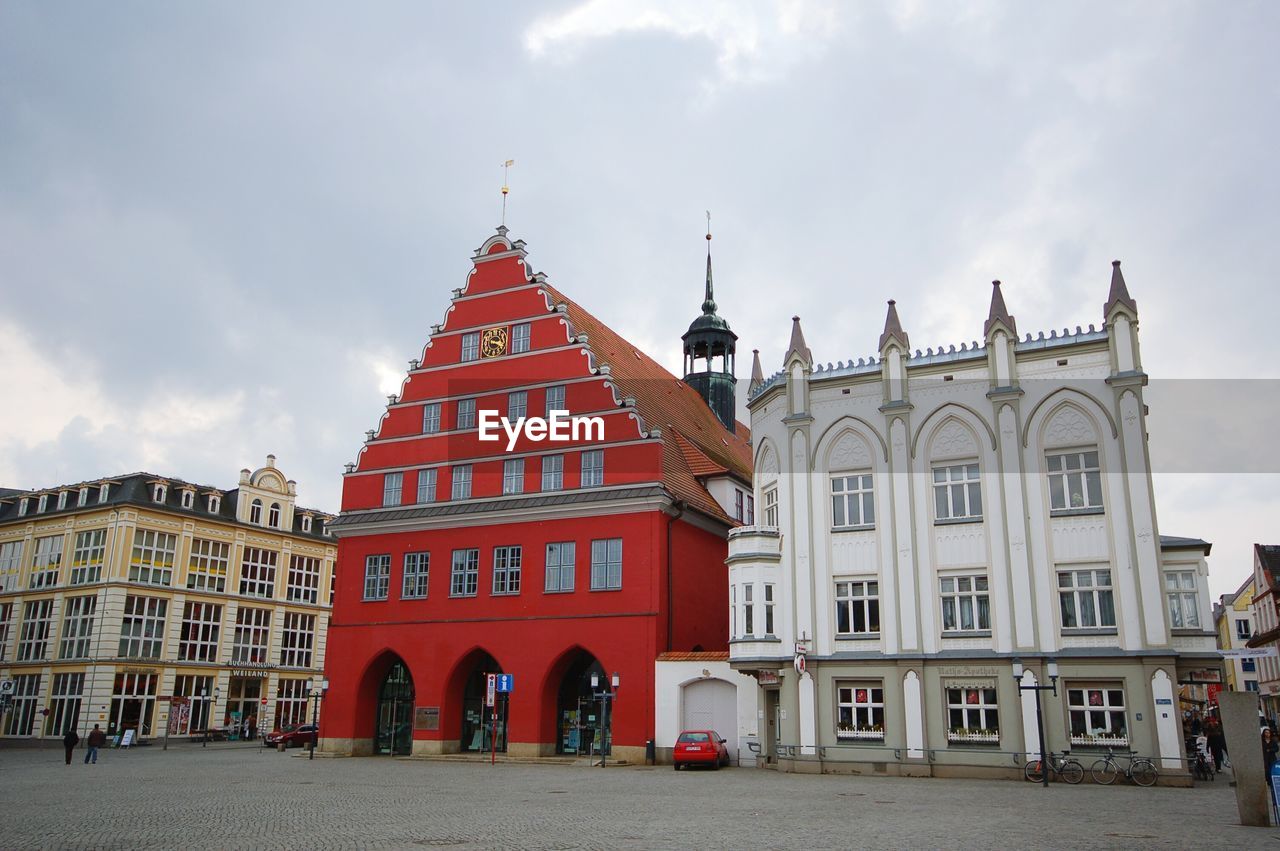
(69, 741)
(97, 739)
(1217, 741)
(1269, 750)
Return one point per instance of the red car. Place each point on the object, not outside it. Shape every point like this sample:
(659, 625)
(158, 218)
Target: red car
(290, 736)
(700, 747)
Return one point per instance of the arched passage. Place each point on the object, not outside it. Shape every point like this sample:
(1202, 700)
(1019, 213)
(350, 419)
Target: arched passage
(578, 715)
(393, 733)
(467, 689)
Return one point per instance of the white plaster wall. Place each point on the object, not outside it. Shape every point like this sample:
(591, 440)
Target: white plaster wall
(669, 677)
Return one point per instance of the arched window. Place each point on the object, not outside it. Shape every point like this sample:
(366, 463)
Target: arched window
(273, 516)
(255, 511)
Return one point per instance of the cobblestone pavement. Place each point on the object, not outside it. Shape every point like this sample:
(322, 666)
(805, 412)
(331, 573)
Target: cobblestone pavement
(242, 797)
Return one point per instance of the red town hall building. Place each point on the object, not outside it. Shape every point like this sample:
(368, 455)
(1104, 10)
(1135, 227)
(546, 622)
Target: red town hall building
(548, 560)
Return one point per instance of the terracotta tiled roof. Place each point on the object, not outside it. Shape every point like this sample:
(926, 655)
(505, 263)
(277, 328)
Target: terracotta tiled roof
(694, 656)
(694, 442)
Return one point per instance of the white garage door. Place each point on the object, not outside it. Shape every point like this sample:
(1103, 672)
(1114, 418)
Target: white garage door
(713, 705)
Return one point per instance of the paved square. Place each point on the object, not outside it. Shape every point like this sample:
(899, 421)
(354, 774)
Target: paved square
(242, 797)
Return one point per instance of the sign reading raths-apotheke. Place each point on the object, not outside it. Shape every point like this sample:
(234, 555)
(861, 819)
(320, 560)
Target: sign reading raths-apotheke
(426, 718)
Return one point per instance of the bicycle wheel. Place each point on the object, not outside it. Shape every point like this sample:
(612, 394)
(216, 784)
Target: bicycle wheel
(1144, 772)
(1033, 772)
(1104, 771)
(1072, 771)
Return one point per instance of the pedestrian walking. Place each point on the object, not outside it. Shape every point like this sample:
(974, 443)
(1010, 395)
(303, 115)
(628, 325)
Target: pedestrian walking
(69, 741)
(1269, 751)
(1217, 742)
(96, 739)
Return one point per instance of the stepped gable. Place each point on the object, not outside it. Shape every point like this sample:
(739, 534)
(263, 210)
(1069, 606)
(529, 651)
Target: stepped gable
(669, 404)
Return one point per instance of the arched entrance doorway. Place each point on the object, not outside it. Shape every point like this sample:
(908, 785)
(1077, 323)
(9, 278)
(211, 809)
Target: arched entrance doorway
(394, 733)
(478, 724)
(578, 716)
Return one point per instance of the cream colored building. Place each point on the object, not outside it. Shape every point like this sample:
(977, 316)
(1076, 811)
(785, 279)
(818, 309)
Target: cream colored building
(1233, 620)
(117, 593)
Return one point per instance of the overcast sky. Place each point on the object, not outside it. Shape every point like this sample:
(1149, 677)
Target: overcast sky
(225, 228)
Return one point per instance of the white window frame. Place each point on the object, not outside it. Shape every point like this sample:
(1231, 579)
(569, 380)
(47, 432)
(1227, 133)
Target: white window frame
(606, 564)
(507, 563)
(857, 597)
(151, 562)
(957, 492)
(1182, 598)
(748, 610)
(297, 640)
(306, 523)
(215, 503)
(521, 335)
(770, 497)
(103, 490)
(392, 489)
(769, 625)
(978, 710)
(416, 576)
(303, 582)
(251, 640)
(1074, 489)
(751, 510)
(377, 576)
(188, 499)
(42, 503)
(560, 567)
(78, 614)
(592, 468)
(554, 399)
(513, 476)
(274, 515)
(258, 572)
(464, 573)
(208, 565)
(292, 696)
(1091, 584)
(860, 710)
(460, 482)
(431, 418)
(470, 347)
(62, 500)
(46, 561)
(142, 629)
(739, 504)
(33, 636)
(1247, 632)
(1092, 723)
(21, 717)
(553, 472)
(10, 566)
(427, 478)
(87, 556)
(961, 595)
(255, 512)
(517, 405)
(158, 493)
(6, 627)
(201, 631)
(65, 699)
(853, 500)
(465, 414)
(82, 499)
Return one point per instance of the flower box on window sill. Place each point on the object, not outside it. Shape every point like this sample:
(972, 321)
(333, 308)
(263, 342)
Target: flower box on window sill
(863, 734)
(974, 737)
(1100, 741)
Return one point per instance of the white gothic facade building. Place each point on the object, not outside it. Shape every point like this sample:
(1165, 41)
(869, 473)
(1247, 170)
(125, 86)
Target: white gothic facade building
(928, 521)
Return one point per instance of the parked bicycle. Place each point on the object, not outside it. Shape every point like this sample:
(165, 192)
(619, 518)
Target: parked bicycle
(1140, 769)
(1066, 767)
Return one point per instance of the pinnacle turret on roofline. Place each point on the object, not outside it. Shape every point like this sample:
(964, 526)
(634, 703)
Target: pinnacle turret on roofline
(999, 314)
(757, 372)
(798, 347)
(893, 329)
(1119, 294)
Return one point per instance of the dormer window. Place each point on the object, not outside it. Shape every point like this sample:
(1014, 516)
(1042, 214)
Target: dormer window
(62, 500)
(23, 505)
(214, 503)
(255, 512)
(188, 499)
(83, 498)
(306, 522)
(158, 493)
(273, 516)
(43, 504)
(103, 490)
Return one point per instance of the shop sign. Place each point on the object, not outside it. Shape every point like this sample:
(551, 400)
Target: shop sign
(1205, 675)
(768, 678)
(1251, 653)
(127, 669)
(426, 718)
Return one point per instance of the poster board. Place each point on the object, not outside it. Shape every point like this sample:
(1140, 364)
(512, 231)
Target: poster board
(127, 739)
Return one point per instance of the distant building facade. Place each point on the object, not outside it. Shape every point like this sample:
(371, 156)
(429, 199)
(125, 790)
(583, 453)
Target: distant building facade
(927, 519)
(118, 592)
(1266, 619)
(1233, 621)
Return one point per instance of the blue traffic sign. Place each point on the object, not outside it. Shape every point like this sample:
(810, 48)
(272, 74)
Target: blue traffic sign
(506, 682)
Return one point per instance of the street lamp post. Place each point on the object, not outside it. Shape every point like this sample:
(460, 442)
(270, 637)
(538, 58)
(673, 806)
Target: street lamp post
(315, 713)
(1052, 670)
(605, 695)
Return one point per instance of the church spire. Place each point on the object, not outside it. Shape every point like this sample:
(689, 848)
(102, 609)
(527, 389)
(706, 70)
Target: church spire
(757, 373)
(709, 352)
(798, 347)
(999, 314)
(893, 329)
(1119, 294)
